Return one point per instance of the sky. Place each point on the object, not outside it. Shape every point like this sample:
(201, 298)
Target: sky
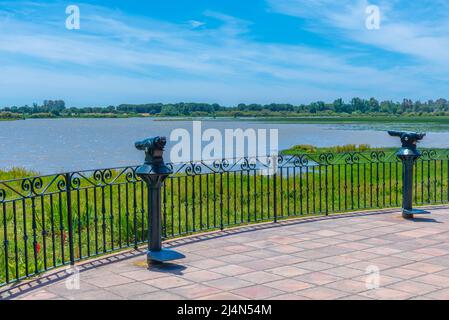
(227, 52)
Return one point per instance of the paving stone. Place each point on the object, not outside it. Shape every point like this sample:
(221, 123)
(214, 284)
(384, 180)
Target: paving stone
(168, 282)
(288, 271)
(289, 285)
(317, 278)
(203, 275)
(229, 283)
(349, 286)
(424, 267)
(344, 272)
(414, 287)
(257, 292)
(314, 265)
(224, 296)
(433, 279)
(384, 293)
(195, 291)
(232, 270)
(259, 277)
(142, 275)
(322, 293)
(288, 296)
(39, 295)
(130, 290)
(402, 273)
(442, 294)
(104, 281)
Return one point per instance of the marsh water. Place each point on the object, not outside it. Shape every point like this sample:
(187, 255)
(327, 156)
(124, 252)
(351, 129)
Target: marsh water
(58, 145)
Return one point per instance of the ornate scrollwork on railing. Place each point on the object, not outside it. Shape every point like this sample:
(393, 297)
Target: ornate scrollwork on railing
(130, 175)
(193, 169)
(2, 195)
(352, 158)
(75, 182)
(429, 154)
(326, 158)
(377, 156)
(248, 164)
(32, 186)
(61, 183)
(221, 165)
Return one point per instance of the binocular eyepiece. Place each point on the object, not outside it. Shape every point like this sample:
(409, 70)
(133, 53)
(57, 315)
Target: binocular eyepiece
(408, 139)
(151, 144)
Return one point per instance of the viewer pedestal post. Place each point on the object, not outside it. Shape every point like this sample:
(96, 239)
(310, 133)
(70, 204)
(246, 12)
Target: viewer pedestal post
(408, 155)
(154, 171)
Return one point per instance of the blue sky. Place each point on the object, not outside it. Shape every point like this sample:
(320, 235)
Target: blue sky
(253, 51)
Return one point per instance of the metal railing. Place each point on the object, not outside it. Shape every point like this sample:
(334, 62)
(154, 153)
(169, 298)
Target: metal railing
(54, 220)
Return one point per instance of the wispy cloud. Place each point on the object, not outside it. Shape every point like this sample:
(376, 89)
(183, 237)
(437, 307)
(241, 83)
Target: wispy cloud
(418, 29)
(119, 57)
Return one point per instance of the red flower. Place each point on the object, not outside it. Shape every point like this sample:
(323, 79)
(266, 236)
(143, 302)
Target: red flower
(37, 248)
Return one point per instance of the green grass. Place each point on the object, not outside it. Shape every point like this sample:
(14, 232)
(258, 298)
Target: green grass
(111, 216)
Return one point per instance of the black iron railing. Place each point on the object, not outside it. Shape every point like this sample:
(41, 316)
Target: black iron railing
(54, 220)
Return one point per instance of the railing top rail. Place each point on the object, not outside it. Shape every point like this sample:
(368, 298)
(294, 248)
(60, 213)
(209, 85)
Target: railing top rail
(245, 163)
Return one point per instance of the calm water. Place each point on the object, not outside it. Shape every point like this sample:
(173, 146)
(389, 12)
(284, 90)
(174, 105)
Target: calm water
(57, 145)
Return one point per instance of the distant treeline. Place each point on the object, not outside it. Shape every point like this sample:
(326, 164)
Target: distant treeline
(355, 106)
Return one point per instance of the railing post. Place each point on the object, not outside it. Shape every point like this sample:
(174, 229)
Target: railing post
(68, 183)
(274, 161)
(154, 171)
(408, 155)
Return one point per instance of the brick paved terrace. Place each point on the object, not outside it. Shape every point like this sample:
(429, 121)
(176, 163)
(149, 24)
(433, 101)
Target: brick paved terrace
(318, 258)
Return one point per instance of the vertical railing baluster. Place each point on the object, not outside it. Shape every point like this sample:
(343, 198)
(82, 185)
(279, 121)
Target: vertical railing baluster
(193, 204)
(96, 220)
(275, 199)
(34, 228)
(86, 194)
(119, 215)
(5, 241)
(126, 213)
(320, 190)
(207, 202)
(201, 202)
(172, 206)
(44, 233)
(186, 203)
(255, 194)
(221, 200)
(326, 190)
(78, 204)
(68, 181)
(294, 191)
(333, 188)
(179, 205)
(268, 196)
(111, 215)
(228, 198)
(16, 243)
(62, 232)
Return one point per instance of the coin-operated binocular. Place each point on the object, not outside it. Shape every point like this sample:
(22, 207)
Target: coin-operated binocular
(154, 150)
(408, 155)
(154, 171)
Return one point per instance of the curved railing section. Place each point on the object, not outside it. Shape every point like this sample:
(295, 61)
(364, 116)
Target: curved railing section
(53, 220)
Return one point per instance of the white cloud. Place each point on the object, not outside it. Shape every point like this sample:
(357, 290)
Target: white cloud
(116, 58)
